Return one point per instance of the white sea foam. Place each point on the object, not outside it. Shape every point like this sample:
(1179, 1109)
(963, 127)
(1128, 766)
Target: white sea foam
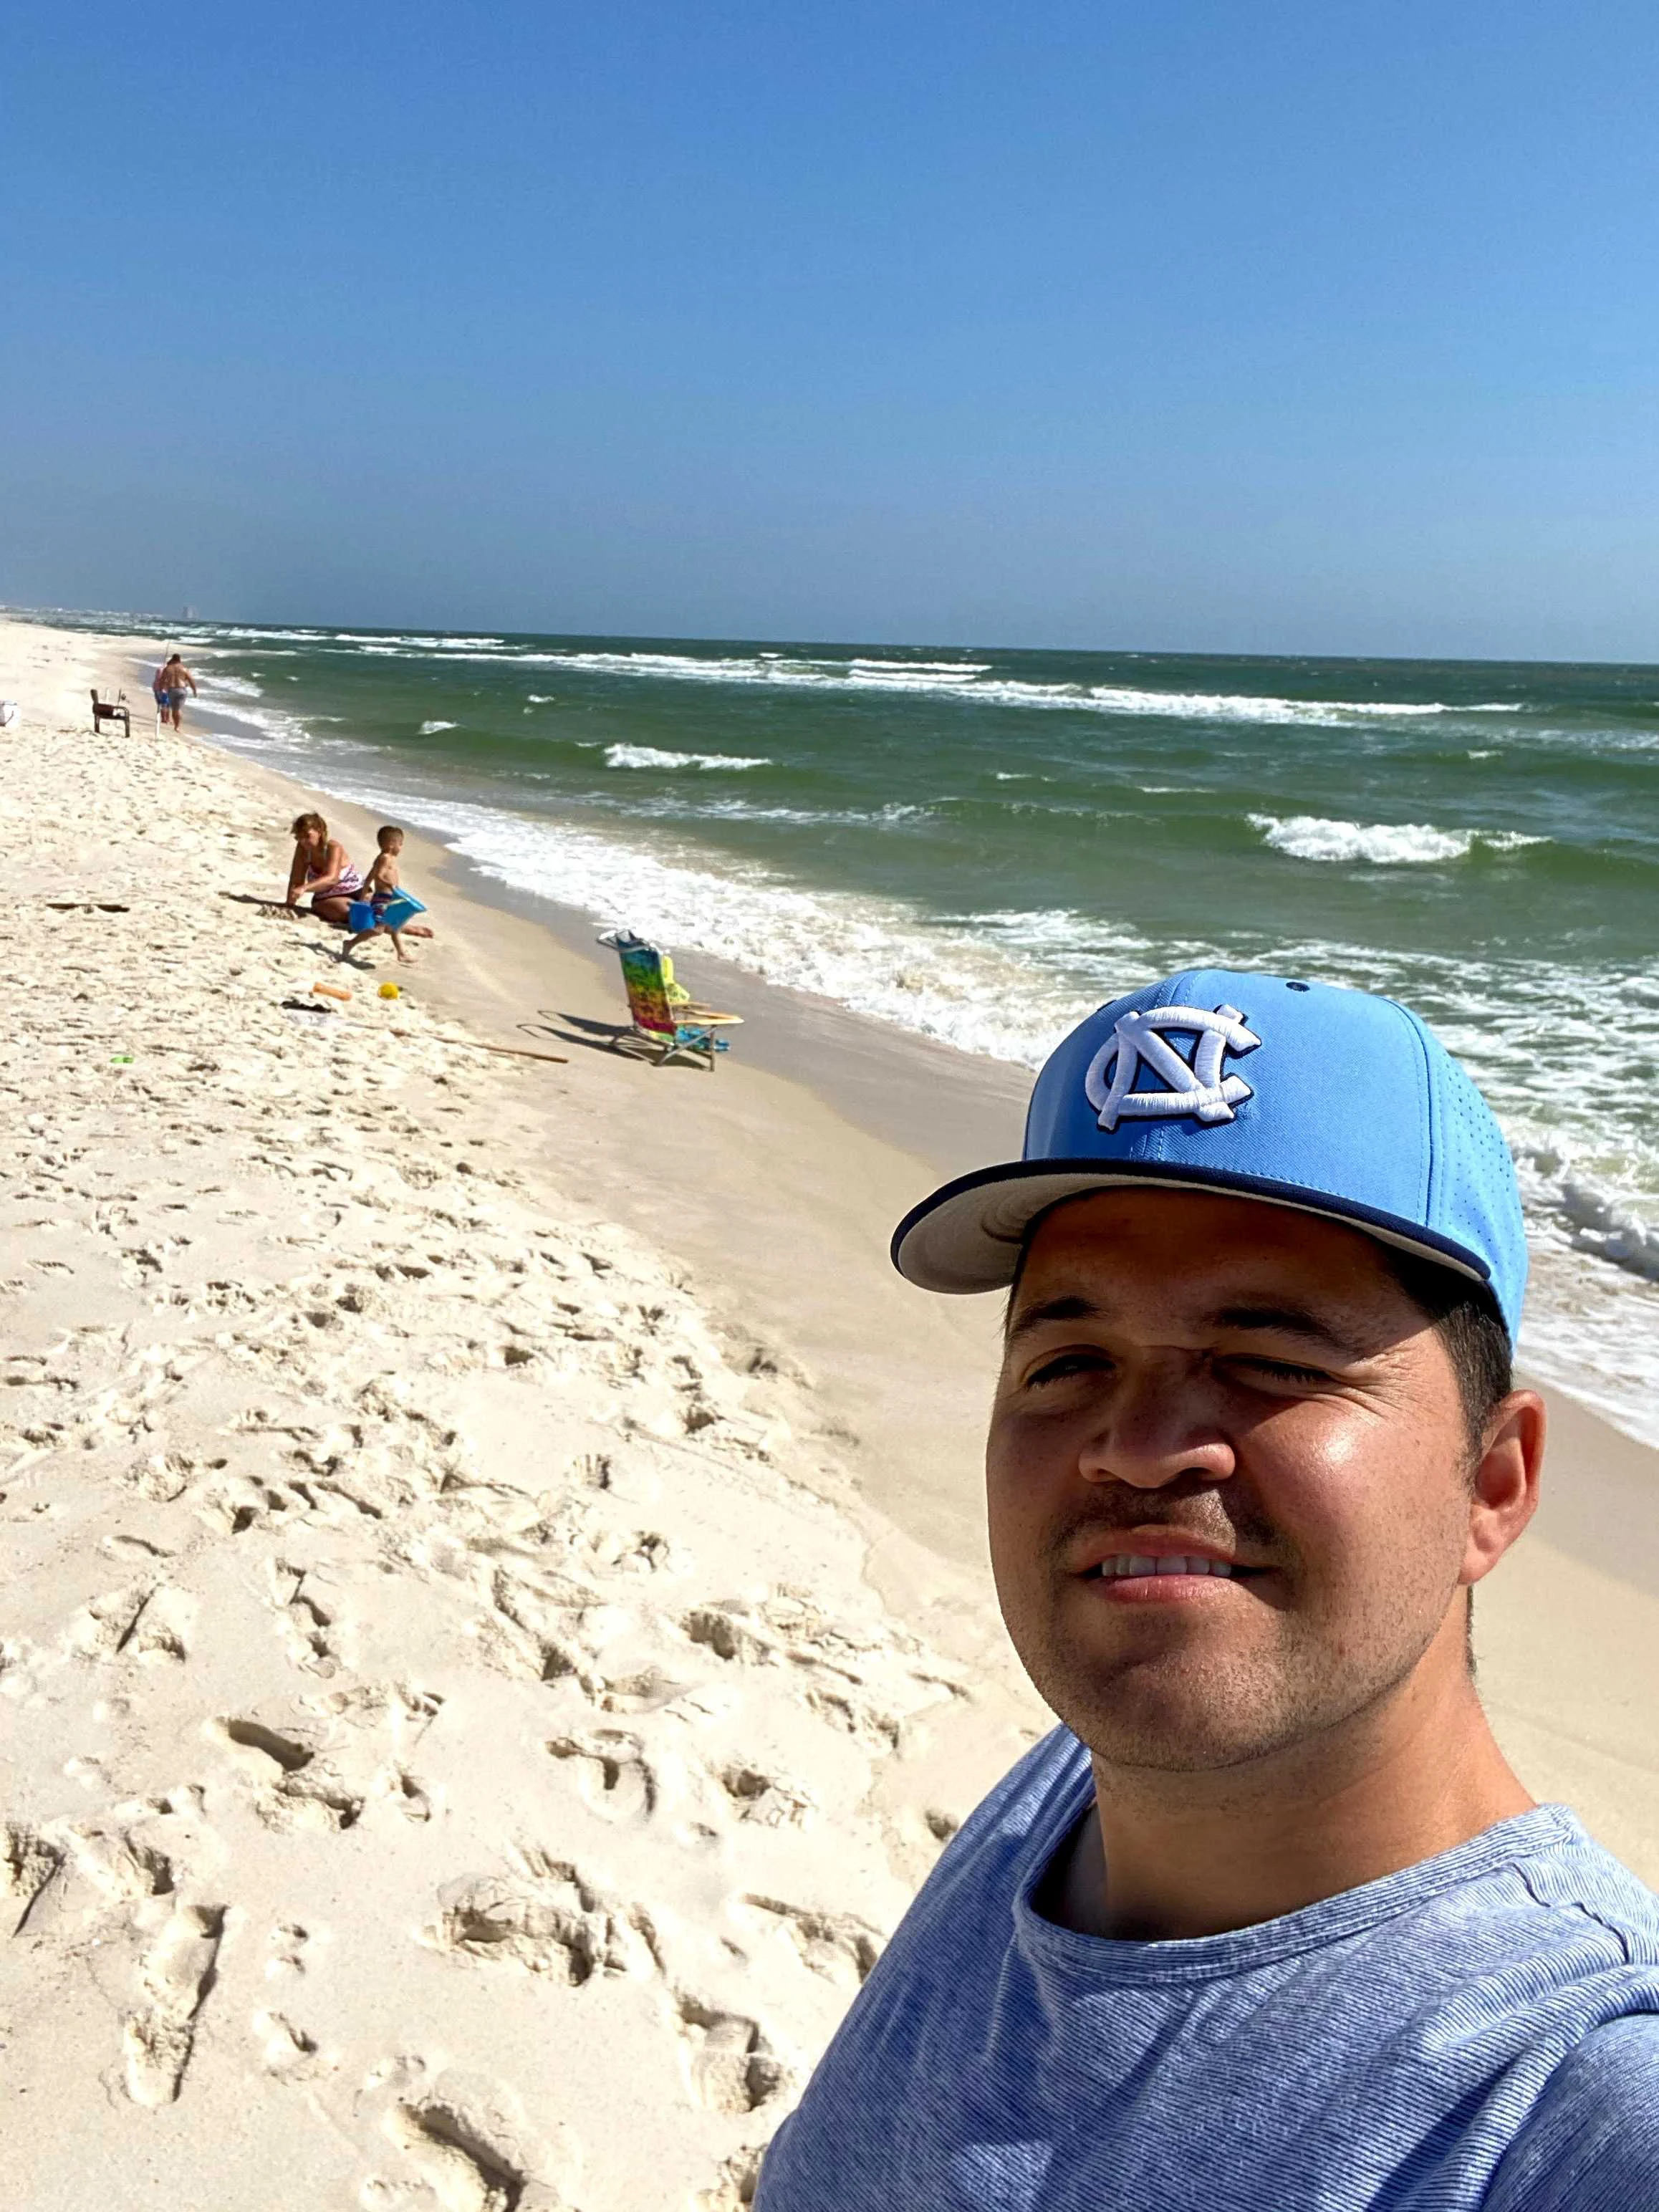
(259, 634)
(431, 729)
(954, 668)
(539, 698)
(959, 679)
(273, 724)
(233, 698)
(1247, 707)
(1381, 844)
(743, 810)
(413, 642)
(656, 756)
(965, 680)
(1593, 1299)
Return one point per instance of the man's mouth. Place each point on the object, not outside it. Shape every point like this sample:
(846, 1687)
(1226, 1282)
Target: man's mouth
(1122, 1565)
(1159, 1567)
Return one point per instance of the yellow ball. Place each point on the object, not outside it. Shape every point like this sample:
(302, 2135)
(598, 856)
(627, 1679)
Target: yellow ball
(389, 991)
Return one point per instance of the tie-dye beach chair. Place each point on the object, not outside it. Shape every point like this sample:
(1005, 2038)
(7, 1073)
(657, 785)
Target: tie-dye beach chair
(666, 1025)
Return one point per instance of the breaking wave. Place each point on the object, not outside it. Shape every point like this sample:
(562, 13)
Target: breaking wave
(1379, 844)
(658, 757)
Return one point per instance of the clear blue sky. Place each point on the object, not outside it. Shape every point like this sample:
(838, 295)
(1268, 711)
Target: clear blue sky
(1237, 325)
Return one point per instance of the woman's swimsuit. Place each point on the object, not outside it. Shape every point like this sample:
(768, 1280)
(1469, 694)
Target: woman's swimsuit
(348, 880)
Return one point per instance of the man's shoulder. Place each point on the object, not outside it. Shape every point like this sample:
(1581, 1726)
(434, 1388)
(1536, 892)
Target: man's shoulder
(1531, 1936)
(1579, 1875)
(1592, 2143)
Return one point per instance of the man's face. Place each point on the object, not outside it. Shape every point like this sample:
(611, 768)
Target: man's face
(1215, 1380)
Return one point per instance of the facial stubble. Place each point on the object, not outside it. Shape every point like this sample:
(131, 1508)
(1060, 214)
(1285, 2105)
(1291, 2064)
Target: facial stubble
(1250, 1671)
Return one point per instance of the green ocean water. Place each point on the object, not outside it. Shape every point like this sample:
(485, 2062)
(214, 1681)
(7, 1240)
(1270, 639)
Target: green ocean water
(984, 845)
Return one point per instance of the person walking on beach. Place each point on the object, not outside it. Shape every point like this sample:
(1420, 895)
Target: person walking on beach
(1267, 1922)
(322, 867)
(168, 683)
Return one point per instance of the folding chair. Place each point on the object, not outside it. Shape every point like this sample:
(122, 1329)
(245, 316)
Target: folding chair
(105, 710)
(666, 1025)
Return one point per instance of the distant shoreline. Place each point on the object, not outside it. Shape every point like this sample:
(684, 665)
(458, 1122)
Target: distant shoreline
(162, 625)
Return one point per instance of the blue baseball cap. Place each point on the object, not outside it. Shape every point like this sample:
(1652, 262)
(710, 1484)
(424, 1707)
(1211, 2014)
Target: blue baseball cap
(1298, 1094)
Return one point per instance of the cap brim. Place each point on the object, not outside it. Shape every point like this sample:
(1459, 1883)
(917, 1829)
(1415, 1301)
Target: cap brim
(968, 1237)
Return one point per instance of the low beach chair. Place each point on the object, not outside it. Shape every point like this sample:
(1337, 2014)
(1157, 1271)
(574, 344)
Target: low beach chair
(666, 1024)
(112, 710)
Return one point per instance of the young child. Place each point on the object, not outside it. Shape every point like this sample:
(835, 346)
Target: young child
(383, 906)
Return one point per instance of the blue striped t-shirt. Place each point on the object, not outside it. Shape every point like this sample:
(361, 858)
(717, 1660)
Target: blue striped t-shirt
(1479, 2031)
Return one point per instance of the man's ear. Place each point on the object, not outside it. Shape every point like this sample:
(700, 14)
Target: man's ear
(1503, 1488)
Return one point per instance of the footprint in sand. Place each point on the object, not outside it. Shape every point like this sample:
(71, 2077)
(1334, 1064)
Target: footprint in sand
(735, 2185)
(467, 2142)
(166, 1475)
(288, 1943)
(545, 1917)
(400, 1793)
(174, 1976)
(769, 1800)
(120, 1870)
(842, 1948)
(306, 1623)
(292, 1791)
(464, 2174)
(612, 1772)
(729, 2067)
(28, 1863)
(285, 2051)
(141, 1622)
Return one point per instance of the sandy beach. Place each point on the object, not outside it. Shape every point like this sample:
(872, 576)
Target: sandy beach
(496, 1619)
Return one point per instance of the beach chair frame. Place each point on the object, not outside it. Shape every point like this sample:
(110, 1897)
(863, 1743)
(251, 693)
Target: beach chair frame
(112, 710)
(666, 1025)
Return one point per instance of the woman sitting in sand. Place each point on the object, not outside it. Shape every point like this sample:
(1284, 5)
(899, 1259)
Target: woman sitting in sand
(322, 868)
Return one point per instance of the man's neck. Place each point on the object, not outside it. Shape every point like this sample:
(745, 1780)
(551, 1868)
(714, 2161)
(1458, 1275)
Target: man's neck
(1197, 1854)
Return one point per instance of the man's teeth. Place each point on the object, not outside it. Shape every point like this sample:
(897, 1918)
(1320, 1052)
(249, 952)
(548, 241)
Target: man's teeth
(1137, 1563)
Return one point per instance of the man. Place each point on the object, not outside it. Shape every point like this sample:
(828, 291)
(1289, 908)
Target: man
(1268, 1924)
(168, 685)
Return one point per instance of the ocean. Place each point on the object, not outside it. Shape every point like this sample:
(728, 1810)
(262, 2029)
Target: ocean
(983, 845)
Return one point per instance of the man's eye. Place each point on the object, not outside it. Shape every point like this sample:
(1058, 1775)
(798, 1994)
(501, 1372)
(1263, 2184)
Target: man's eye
(1065, 1364)
(1279, 1371)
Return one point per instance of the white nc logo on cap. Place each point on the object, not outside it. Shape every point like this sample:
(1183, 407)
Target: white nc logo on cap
(1196, 1087)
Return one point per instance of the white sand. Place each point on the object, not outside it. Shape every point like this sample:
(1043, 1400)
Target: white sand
(449, 1759)
(479, 1682)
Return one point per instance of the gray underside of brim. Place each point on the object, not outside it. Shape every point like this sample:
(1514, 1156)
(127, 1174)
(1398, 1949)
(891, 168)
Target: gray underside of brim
(972, 1242)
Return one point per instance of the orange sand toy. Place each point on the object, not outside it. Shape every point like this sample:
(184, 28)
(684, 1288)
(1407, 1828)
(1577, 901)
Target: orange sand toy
(330, 991)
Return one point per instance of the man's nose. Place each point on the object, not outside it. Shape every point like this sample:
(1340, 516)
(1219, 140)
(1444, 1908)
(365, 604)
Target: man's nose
(1161, 1423)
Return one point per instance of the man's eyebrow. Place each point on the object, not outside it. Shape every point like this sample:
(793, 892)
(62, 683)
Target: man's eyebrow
(1068, 1308)
(1286, 1321)
(1279, 1320)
